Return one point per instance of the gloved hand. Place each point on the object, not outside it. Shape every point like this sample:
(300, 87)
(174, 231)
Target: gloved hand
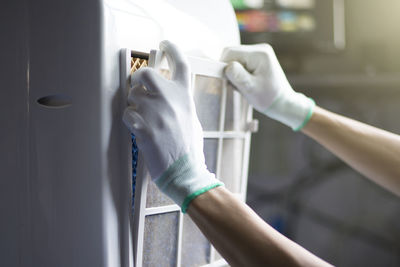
(255, 71)
(162, 115)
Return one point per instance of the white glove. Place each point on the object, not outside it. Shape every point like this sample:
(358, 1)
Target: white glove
(255, 71)
(162, 116)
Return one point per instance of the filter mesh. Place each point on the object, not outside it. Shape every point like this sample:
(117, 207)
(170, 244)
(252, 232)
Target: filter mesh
(137, 63)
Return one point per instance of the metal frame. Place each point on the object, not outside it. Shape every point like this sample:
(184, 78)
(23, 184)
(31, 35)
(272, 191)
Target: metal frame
(199, 66)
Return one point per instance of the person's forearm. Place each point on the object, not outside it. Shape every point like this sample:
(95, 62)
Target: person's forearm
(373, 152)
(242, 237)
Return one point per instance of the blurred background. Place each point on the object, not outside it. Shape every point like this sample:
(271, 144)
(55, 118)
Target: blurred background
(345, 55)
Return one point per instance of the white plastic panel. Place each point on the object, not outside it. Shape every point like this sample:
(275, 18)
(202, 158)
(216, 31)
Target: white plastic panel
(198, 29)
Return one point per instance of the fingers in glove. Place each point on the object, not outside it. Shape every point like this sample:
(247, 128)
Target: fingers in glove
(148, 78)
(250, 56)
(135, 93)
(235, 54)
(139, 96)
(239, 77)
(177, 63)
(133, 120)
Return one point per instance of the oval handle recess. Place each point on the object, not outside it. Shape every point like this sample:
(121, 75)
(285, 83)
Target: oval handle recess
(55, 101)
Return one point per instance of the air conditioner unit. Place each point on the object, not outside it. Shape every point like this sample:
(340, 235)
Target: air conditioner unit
(66, 157)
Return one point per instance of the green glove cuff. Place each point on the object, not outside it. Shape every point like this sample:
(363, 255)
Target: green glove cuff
(186, 179)
(291, 108)
(192, 196)
(308, 117)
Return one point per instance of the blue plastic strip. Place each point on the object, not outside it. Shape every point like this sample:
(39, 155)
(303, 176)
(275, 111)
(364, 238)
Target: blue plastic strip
(134, 167)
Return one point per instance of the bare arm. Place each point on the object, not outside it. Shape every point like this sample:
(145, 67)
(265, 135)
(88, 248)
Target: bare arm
(373, 152)
(242, 237)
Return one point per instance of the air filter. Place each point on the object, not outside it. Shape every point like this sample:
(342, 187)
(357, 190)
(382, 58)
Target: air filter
(138, 61)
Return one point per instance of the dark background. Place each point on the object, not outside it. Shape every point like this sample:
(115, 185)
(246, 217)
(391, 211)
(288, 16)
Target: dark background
(306, 192)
